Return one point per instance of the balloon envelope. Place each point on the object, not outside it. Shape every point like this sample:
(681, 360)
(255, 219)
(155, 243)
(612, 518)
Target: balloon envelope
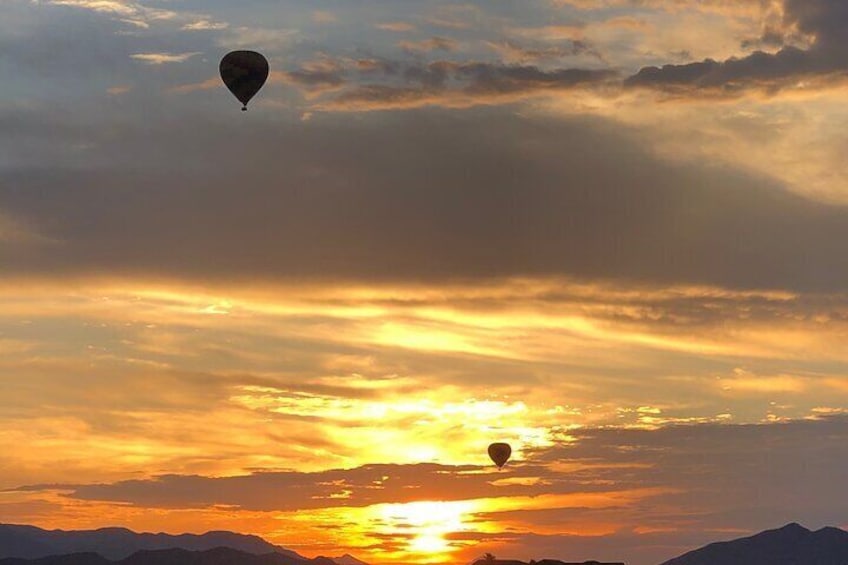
(244, 73)
(500, 452)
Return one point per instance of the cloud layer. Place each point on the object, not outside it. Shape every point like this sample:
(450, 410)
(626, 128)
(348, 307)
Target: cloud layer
(478, 194)
(822, 20)
(636, 486)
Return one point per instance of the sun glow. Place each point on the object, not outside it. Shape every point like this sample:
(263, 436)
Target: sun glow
(429, 523)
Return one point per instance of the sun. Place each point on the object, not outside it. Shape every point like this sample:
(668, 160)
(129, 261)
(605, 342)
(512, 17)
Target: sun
(428, 524)
(429, 543)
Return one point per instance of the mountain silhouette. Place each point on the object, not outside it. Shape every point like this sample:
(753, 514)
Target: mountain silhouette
(348, 559)
(87, 558)
(217, 556)
(30, 542)
(792, 544)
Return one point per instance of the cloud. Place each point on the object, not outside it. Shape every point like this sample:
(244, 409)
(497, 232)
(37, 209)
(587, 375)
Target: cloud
(205, 25)
(125, 10)
(551, 33)
(374, 84)
(745, 381)
(317, 376)
(162, 58)
(732, 75)
(427, 45)
(421, 207)
(668, 462)
(396, 26)
(770, 37)
(459, 85)
(513, 53)
(497, 78)
(118, 7)
(636, 490)
(372, 484)
(318, 75)
(823, 20)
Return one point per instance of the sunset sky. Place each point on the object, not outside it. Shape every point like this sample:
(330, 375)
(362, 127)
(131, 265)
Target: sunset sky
(613, 233)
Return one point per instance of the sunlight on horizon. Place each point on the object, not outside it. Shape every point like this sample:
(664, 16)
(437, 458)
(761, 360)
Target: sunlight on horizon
(428, 523)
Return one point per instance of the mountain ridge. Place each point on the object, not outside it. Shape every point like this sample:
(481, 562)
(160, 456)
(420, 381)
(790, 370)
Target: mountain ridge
(792, 544)
(172, 556)
(116, 543)
(348, 559)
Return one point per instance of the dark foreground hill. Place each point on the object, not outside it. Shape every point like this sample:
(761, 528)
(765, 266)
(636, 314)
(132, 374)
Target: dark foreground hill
(217, 556)
(789, 545)
(29, 542)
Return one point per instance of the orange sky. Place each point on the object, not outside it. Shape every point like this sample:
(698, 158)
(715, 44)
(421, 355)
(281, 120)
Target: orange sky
(196, 386)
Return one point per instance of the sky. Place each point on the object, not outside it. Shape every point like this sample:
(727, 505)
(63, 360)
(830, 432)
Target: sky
(609, 232)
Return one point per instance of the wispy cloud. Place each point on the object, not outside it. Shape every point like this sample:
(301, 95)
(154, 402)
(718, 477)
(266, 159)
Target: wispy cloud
(399, 27)
(162, 58)
(763, 70)
(127, 10)
(205, 25)
(431, 44)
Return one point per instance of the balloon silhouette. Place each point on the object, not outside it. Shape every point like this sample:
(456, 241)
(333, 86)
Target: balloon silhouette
(244, 73)
(500, 452)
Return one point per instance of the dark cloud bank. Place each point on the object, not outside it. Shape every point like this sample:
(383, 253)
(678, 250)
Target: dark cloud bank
(423, 195)
(380, 84)
(824, 20)
(758, 473)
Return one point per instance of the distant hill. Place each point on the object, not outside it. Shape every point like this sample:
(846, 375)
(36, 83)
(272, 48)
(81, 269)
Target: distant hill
(348, 559)
(790, 545)
(217, 556)
(29, 542)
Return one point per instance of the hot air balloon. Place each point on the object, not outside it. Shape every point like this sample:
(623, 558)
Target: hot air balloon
(244, 73)
(500, 452)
